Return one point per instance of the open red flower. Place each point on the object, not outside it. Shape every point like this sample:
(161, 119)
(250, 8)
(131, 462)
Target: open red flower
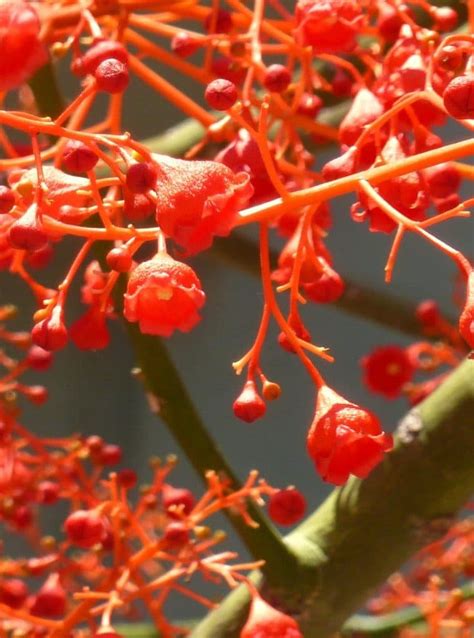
(22, 50)
(344, 438)
(387, 369)
(163, 295)
(197, 200)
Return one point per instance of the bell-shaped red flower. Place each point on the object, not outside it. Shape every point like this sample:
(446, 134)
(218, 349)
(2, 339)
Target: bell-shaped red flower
(163, 295)
(344, 438)
(197, 200)
(90, 331)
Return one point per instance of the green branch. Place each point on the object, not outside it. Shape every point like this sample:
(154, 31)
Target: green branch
(366, 529)
(170, 401)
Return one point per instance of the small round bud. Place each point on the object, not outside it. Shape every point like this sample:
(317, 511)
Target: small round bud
(78, 157)
(446, 18)
(38, 358)
(221, 94)
(287, 507)
(271, 391)
(50, 334)
(127, 478)
(277, 78)
(85, 528)
(175, 535)
(177, 498)
(458, 97)
(27, 233)
(119, 259)
(141, 177)
(111, 76)
(184, 44)
(427, 313)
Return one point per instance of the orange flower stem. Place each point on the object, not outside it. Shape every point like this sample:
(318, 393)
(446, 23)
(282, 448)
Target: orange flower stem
(342, 186)
(412, 225)
(168, 91)
(394, 252)
(270, 300)
(171, 60)
(89, 90)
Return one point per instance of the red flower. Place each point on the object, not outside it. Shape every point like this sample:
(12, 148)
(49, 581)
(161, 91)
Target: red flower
(345, 438)
(329, 26)
(22, 51)
(163, 295)
(197, 200)
(386, 370)
(265, 621)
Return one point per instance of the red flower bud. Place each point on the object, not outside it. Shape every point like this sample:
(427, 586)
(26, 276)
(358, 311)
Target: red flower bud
(184, 44)
(249, 405)
(344, 438)
(78, 157)
(101, 50)
(365, 108)
(13, 592)
(175, 535)
(329, 26)
(27, 232)
(141, 177)
(287, 507)
(50, 601)
(38, 358)
(458, 97)
(276, 78)
(221, 94)
(119, 259)
(220, 23)
(50, 334)
(163, 295)
(111, 76)
(85, 528)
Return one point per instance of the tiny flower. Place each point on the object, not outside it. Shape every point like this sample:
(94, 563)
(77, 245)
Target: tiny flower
(387, 370)
(85, 528)
(163, 295)
(111, 76)
(344, 438)
(176, 499)
(264, 621)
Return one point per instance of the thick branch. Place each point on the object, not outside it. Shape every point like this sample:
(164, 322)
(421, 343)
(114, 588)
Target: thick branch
(365, 530)
(170, 400)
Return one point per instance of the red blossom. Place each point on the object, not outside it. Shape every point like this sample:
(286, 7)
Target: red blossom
(344, 438)
(264, 621)
(197, 200)
(163, 295)
(387, 370)
(329, 26)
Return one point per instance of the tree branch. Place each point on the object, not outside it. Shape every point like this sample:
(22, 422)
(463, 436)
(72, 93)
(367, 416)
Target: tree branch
(366, 529)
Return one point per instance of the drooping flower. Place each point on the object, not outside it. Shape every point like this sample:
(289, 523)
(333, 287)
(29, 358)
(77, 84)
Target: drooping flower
(163, 295)
(197, 200)
(344, 438)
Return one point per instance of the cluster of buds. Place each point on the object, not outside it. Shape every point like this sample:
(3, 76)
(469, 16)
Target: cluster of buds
(119, 544)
